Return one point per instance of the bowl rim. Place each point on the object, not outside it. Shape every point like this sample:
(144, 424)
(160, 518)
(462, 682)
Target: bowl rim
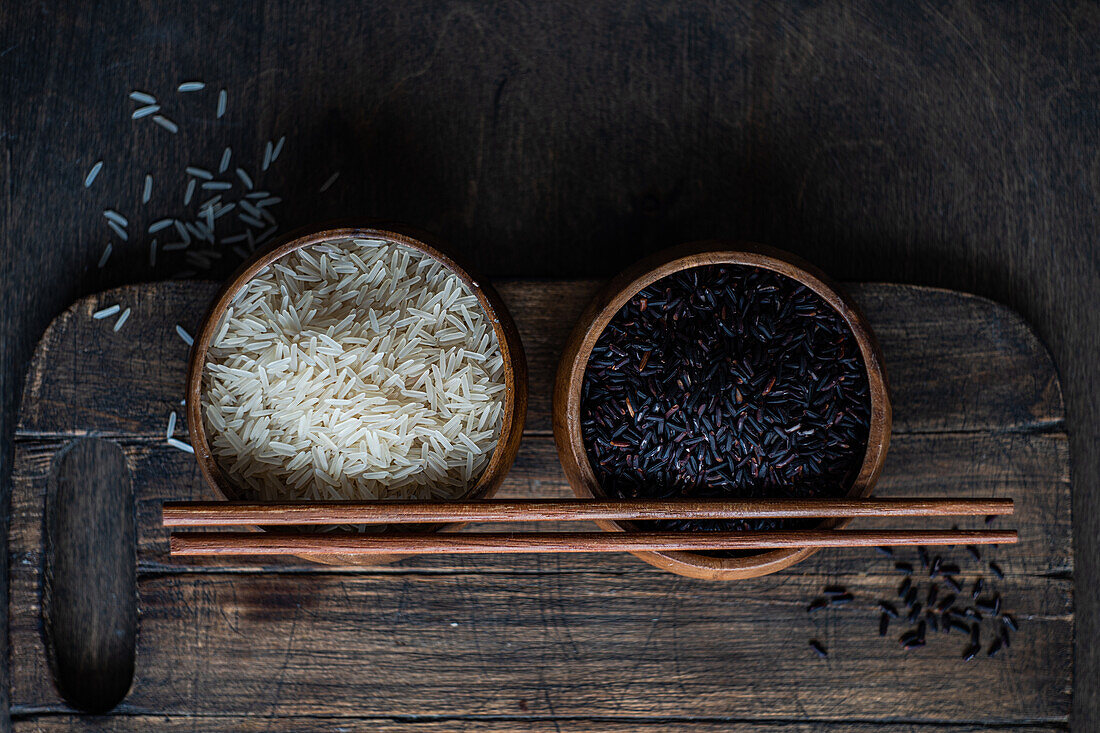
(607, 303)
(512, 353)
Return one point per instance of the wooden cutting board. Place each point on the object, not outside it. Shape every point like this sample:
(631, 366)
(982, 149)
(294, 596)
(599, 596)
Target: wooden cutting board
(525, 642)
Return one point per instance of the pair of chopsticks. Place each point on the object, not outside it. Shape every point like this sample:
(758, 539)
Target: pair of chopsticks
(229, 514)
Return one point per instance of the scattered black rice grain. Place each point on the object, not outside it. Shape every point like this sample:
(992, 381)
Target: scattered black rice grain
(903, 587)
(946, 602)
(933, 593)
(975, 633)
(889, 609)
(904, 567)
(842, 599)
(990, 518)
(933, 622)
(971, 651)
(835, 590)
(922, 553)
(1006, 639)
(976, 590)
(987, 604)
(949, 568)
(953, 582)
(1010, 622)
(994, 647)
(725, 381)
(819, 650)
(955, 624)
(974, 552)
(885, 551)
(996, 570)
(934, 569)
(973, 613)
(883, 624)
(914, 613)
(911, 597)
(817, 604)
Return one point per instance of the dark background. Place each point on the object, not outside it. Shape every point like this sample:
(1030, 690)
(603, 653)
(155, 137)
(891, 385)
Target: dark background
(955, 145)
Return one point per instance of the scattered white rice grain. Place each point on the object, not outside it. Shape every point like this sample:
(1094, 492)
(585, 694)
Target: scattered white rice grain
(250, 220)
(277, 149)
(257, 194)
(107, 312)
(270, 231)
(105, 256)
(328, 184)
(190, 192)
(160, 224)
(245, 178)
(269, 201)
(199, 173)
(145, 111)
(182, 230)
(116, 217)
(147, 192)
(166, 123)
(191, 86)
(175, 246)
(142, 97)
(267, 157)
(217, 186)
(171, 430)
(234, 239)
(187, 339)
(185, 447)
(95, 169)
(153, 252)
(197, 259)
(119, 231)
(223, 97)
(122, 319)
(224, 165)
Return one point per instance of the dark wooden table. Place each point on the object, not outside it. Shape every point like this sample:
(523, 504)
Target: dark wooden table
(956, 146)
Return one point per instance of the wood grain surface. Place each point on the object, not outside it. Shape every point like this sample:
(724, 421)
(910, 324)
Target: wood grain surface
(569, 642)
(955, 145)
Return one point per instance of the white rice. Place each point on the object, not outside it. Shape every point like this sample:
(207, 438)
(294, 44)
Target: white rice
(142, 97)
(176, 443)
(105, 256)
(147, 192)
(166, 123)
(95, 172)
(106, 312)
(191, 86)
(223, 166)
(145, 111)
(122, 319)
(187, 338)
(354, 369)
(171, 429)
(223, 97)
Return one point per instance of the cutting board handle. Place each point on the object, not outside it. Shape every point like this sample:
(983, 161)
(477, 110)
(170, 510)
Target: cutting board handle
(89, 593)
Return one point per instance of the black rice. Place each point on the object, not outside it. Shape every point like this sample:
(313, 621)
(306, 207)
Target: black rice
(819, 650)
(725, 381)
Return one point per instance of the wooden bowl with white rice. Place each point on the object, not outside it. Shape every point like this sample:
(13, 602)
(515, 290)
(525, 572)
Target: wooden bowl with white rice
(356, 363)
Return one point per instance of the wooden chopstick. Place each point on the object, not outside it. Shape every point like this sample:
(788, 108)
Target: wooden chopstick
(228, 513)
(467, 543)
